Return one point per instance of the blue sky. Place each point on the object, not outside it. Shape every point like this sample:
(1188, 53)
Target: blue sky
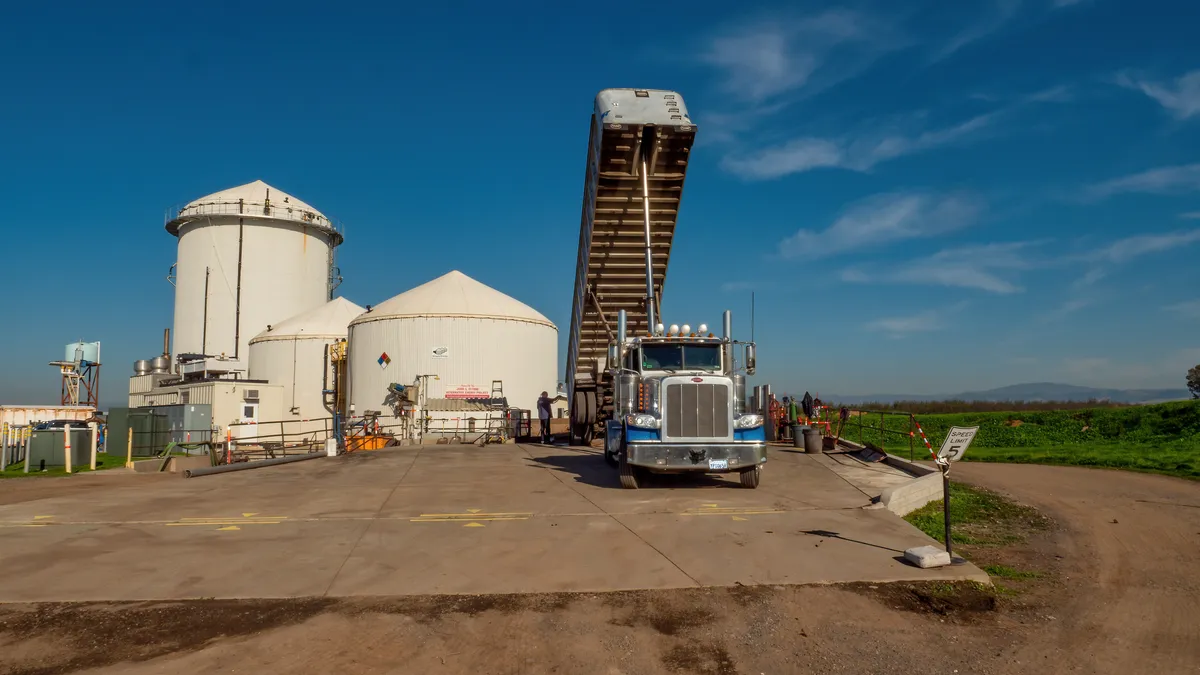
(925, 198)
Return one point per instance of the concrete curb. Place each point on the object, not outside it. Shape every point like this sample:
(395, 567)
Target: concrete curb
(904, 499)
(893, 460)
(925, 487)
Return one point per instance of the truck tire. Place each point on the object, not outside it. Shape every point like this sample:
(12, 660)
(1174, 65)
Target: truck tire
(579, 419)
(590, 406)
(612, 458)
(750, 477)
(629, 477)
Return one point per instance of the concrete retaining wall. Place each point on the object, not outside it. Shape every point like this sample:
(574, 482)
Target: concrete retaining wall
(904, 499)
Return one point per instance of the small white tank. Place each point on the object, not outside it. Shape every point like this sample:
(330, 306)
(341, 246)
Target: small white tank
(293, 352)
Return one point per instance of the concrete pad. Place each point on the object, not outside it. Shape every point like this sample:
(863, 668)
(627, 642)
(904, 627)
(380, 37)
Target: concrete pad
(537, 555)
(802, 547)
(444, 519)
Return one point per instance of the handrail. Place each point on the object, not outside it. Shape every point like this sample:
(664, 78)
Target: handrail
(283, 211)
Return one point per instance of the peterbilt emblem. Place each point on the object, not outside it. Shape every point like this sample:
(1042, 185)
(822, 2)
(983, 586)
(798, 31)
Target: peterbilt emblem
(697, 379)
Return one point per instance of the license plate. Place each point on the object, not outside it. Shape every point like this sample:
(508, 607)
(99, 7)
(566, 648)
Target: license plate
(718, 464)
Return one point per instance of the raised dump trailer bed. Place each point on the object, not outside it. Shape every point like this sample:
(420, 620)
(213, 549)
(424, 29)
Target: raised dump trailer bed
(638, 153)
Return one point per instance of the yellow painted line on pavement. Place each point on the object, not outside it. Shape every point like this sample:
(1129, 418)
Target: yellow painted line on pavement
(224, 522)
(729, 511)
(474, 515)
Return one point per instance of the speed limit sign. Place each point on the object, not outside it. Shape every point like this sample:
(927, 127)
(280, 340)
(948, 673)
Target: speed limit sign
(956, 443)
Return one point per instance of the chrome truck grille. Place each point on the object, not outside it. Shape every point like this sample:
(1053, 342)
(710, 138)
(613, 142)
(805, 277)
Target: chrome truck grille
(696, 410)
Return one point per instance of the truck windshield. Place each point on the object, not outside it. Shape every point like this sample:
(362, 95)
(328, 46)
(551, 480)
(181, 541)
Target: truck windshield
(681, 357)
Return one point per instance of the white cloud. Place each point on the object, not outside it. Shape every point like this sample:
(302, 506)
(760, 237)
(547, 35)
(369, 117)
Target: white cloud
(1187, 310)
(976, 267)
(863, 150)
(900, 326)
(1163, 180)
(1093, 275)
(885, 218)
(922, 322)
(1181, 98)
(997, 16)
(1194, 215)
(769, 57)
(860, 153)
(1066, 309)
(742, 286)
(1129, 248)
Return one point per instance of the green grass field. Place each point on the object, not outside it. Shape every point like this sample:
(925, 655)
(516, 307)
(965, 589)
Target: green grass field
(1162, 438)
(103, 461)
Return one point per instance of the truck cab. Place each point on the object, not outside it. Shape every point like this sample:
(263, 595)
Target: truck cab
(679, 406)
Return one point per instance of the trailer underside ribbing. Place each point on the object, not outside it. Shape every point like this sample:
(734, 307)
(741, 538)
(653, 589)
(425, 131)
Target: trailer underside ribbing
(651, 131)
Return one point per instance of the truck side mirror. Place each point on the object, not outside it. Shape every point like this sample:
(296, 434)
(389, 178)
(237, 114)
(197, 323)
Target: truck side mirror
(749, 359)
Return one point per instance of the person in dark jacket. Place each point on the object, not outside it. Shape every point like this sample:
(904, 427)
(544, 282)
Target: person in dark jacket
(543, 405)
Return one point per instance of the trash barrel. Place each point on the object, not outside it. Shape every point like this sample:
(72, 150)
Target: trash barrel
(798, 432)
(813, 440)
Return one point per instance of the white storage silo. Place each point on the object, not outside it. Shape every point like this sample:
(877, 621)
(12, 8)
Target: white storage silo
(293, 353)
(248, 256)
(460, 330)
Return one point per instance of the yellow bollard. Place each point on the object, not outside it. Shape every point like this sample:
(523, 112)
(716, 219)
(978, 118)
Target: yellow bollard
(95, 441)
(67, 445)
(129, 451)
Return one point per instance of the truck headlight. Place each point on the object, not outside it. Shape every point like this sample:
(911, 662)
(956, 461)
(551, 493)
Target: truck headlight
(747, 421)
(643, 421)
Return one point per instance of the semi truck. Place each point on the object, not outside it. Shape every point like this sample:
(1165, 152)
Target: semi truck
(665, 399)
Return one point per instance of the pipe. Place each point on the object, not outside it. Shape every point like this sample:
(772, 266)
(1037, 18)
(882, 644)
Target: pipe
(649, 263)
(622, 335)
(204, 325)
(237, 311)
(167, 342)
(226, 468)
(727, 338)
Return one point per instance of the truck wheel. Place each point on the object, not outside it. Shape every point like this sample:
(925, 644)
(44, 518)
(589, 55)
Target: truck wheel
(590, 406)
(611, 458)
(629, 478)
(750, 477)
(579, 419)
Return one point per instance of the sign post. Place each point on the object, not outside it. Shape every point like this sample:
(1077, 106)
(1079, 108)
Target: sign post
(952, 450)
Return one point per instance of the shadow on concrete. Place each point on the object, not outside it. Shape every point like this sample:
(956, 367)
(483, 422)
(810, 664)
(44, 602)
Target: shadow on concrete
(588, 467)
(834, 535)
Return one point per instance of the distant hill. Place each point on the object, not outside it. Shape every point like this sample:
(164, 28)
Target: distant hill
(1035, 391)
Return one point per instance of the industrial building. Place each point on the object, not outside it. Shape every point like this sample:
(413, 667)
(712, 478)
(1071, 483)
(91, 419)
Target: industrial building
(248, 258)
(463, 343)
(263, 354)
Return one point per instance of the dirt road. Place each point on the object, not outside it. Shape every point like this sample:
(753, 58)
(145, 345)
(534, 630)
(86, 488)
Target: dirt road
(1129, 573)
(1113, 597)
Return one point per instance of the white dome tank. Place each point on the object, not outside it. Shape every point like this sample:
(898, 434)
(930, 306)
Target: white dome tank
(248, 257)
(293, 353)
(460, 330)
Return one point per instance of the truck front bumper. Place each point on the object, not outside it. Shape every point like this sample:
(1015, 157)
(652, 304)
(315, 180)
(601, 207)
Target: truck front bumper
(697, 456)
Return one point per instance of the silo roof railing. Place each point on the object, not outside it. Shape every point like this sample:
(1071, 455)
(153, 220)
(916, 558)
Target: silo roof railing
(179, 215)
